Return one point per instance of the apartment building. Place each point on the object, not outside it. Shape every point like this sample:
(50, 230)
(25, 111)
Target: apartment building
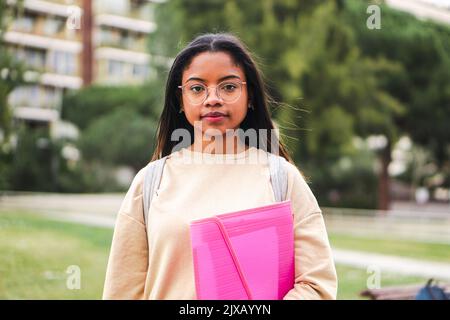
(73, 43)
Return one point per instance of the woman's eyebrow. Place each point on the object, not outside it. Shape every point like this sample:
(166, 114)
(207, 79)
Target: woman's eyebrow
(231, 76)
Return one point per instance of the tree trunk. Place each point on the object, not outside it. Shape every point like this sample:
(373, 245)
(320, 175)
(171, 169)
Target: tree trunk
(383, 181)
(87, 53)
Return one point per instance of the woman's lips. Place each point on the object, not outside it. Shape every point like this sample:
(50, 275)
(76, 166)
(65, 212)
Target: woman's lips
(214, 118)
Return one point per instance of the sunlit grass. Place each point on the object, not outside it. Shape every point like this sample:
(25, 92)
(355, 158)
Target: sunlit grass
(352, 281)
(36, 252)
(405, 248)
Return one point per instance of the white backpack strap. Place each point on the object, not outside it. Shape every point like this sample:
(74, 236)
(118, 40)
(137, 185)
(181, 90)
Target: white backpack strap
(278, 176)
(152, 180)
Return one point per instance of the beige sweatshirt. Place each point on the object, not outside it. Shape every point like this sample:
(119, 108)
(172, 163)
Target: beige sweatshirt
(157, 263)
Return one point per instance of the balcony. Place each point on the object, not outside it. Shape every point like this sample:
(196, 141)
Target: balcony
(35, 114)
(120, 39)
(49, 7)
(122, 55)
(35, 96)
(112, 70)
(125, 23)
(438, 11)
(37, 41)
(46, 26)
(61, 81)
(35, 103)
(133, 9)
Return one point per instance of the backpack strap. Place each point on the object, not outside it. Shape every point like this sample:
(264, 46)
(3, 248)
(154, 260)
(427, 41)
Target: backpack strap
(278, 176)
(152, 180)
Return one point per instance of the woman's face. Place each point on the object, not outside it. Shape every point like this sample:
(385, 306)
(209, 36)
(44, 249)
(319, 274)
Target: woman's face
(210, 69)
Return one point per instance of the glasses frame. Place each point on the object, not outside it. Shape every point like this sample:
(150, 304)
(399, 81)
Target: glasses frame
(217, 92)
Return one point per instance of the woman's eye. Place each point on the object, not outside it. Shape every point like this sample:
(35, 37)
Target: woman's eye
(229, 87)
(196, 89)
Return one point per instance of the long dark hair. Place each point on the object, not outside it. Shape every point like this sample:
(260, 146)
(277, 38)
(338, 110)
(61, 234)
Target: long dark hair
(259, 118)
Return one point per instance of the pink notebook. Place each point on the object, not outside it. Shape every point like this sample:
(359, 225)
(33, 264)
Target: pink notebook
(247, 254)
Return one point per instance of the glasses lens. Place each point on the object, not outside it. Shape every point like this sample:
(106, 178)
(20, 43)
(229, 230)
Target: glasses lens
(196, 92)
(230, 91)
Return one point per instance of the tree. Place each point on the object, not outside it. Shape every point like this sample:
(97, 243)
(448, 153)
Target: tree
(330, 92)
(117, 123)
(82, 107)
(422, 83)
(11, 71)
(121, 137)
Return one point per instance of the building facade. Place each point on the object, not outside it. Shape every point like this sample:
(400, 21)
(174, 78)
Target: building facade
(68, 44)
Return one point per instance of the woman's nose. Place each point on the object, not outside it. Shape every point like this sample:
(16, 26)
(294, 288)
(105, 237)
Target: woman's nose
(212, 98)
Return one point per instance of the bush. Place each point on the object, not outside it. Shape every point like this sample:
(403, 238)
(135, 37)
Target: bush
(122, 137)
(31, 166)
(351, 182)
(84, 106)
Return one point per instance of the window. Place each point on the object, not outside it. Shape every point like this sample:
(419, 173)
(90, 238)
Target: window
(63, 62)
(50, 97)
(24, 23)
(35, 59)
(126, 40)
(53, 26)
(105, 36)
(113, 6)
(71, 63)
(115, 68)
(34, 96)
(140, 71)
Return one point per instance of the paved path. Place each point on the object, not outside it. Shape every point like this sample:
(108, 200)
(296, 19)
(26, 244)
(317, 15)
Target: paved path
(96, 204)
(390, 227)
(101, 210)
(393, 264)
(384, 263)
(83, 218)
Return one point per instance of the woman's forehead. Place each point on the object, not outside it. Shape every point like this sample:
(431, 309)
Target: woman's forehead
(212, 66)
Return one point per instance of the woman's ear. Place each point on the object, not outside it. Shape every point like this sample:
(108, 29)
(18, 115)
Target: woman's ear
(250, 98)
(181, 107)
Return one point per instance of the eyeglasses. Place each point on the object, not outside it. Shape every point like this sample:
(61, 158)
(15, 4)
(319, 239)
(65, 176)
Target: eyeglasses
(229, 91)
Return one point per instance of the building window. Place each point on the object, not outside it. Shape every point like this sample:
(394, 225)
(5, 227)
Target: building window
(33, 58)
(115, 68)
(53, 26)
(105, 36)
(25, 96)
(50, 97)
(71, 62)
(140, 71)
(63, 62)
(24, 23)
(126, 40)
(113, 6)
(34, 95)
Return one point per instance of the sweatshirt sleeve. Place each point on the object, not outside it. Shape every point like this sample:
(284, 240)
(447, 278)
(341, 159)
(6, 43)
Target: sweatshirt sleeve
(128, 259)
(315, 273)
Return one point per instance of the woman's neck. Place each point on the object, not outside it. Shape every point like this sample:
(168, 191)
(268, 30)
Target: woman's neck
(219, 146)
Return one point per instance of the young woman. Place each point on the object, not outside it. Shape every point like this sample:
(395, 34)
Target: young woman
(213, 88)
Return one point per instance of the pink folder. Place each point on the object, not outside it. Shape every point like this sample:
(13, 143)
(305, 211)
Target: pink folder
(248, 254)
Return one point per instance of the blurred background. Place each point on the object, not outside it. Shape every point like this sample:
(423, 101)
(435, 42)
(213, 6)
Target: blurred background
(362, 99)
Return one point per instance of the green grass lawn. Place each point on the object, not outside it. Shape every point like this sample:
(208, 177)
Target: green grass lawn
(352, 281)
(36, 252)
(409, 249)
